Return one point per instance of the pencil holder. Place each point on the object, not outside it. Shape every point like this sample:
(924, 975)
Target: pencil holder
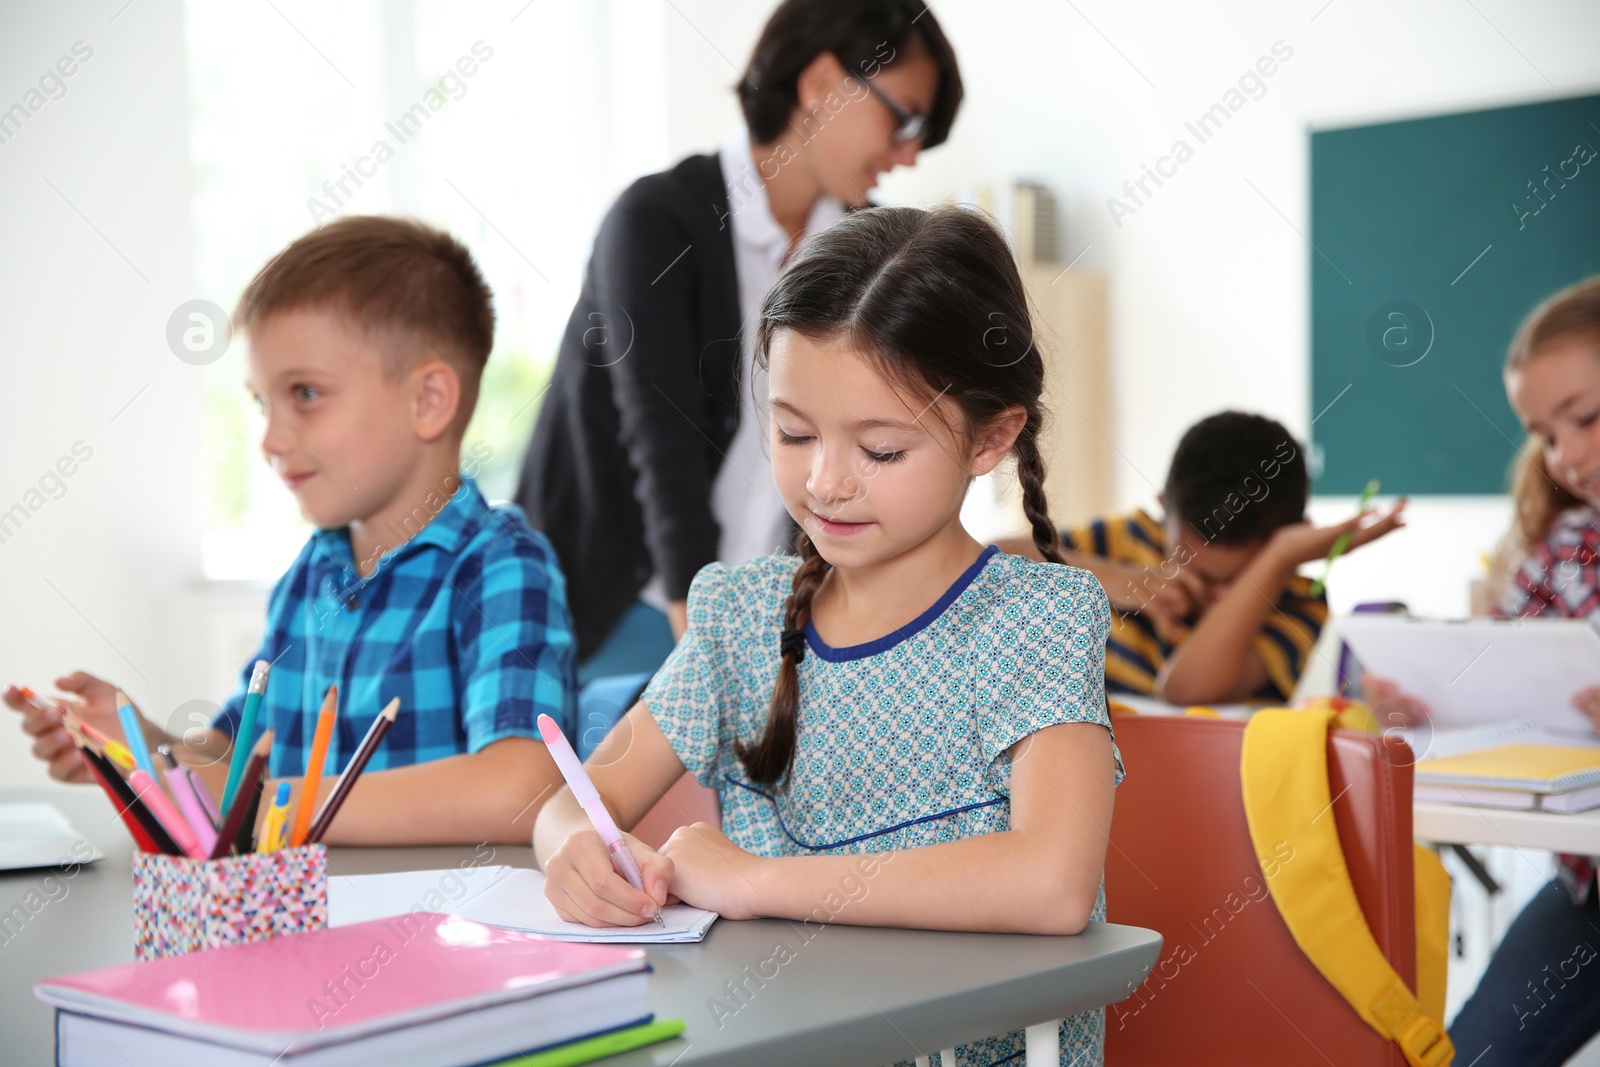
(183, 905)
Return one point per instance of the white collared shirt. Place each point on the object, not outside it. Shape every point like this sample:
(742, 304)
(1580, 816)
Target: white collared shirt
(744, 499)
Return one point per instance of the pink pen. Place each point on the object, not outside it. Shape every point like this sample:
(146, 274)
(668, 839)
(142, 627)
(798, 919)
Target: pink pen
(588, 798)
(188, 803)
(146, 789)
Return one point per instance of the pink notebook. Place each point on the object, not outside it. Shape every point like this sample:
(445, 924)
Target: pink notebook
(339, 984)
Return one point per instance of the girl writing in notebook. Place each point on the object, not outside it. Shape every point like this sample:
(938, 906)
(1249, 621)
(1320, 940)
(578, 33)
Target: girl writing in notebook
(1553, 382)
(906, 728)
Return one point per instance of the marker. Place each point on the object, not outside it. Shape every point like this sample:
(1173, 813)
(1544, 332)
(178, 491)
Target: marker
(135, 735)
(247, 728)
(203, 795)
(1343, 543)
(313, 776)
(188, 803)
(588, 797)
(277, 825)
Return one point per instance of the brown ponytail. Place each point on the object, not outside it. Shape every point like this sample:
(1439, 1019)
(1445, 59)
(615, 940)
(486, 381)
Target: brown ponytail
(768, 762)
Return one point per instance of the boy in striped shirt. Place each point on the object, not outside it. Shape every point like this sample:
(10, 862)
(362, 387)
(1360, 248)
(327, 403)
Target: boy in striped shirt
(1208, 602)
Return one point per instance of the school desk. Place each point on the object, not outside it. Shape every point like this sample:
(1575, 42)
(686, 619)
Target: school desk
(1466, 824)
(834, 995)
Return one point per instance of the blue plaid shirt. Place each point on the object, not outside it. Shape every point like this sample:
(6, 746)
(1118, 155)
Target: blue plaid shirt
(466, 623)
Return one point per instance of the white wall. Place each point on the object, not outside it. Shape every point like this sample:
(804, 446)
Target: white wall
(94, 259)
(1209, 280)
(1210, 285)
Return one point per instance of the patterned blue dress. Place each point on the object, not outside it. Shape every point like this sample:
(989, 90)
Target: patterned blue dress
(903, 741)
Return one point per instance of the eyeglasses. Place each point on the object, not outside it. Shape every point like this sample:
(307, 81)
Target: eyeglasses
(909, 124)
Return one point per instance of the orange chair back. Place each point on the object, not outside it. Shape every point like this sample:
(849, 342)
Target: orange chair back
(1231, 986)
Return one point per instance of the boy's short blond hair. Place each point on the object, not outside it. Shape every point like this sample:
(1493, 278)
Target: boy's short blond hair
(414, 288)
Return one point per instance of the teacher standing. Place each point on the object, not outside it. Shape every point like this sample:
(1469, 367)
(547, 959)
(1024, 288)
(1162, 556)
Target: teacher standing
(650, 455)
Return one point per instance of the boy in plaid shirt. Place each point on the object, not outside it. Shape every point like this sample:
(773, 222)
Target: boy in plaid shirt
(368, 338)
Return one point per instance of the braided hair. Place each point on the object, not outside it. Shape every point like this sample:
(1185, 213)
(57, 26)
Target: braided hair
(934, 300)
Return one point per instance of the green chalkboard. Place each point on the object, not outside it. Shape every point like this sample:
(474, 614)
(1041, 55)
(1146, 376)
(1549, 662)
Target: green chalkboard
(1431, 240)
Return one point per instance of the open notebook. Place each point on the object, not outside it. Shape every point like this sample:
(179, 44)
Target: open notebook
(508, 897)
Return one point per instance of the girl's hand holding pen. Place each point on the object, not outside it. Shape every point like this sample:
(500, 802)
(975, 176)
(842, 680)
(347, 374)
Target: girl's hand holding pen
(584, 887)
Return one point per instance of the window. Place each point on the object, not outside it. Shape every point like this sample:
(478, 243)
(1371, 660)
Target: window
(514, 127)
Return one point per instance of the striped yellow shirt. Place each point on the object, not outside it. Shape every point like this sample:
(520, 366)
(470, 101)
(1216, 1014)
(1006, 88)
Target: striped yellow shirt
(1135, 654)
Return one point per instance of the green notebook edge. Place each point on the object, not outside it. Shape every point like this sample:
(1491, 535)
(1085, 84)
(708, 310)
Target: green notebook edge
(590, 1049)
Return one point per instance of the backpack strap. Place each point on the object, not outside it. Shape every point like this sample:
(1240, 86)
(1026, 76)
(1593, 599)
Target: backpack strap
(1283, 772)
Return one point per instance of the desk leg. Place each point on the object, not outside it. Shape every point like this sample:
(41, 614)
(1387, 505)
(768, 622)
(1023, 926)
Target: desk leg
(1044, 1045)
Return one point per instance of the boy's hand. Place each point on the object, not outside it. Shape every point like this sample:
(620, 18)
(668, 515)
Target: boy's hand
(713, 872)
(1303, 542)
(1167, 602)
(584, 887)
(1588, 702)
(51, 742)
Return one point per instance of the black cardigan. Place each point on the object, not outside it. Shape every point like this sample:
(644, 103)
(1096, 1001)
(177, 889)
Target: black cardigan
(643, 401)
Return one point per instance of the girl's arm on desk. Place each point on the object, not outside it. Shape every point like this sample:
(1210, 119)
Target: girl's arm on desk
(1040, 876)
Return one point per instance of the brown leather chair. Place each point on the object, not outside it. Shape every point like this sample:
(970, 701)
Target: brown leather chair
(1231, 986)
(687, 801)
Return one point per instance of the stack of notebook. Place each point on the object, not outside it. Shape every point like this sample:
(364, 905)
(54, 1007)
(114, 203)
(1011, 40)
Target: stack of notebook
(422, 988)
(1521, 767)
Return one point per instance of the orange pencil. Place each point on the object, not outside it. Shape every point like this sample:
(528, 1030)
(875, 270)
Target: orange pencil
(313, 778)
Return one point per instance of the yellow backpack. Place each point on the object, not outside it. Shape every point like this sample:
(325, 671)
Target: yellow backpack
(1283, 771)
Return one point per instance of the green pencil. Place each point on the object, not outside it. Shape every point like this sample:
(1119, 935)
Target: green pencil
(245, 738)
(595, 1048)
(1342, 545)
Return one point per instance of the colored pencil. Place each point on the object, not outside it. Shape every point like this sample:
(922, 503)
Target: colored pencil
(247, 726)
(134, 733)
(353, 769)
(148, 790)
(244, 841)
(234, 816)
(124, 802)
(313, 776)
(113, 749)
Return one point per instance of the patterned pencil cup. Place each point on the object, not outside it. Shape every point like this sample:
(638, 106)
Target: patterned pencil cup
(183, 905)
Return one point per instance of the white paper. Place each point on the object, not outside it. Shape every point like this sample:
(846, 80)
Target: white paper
(509, 897)
(1483, 670)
